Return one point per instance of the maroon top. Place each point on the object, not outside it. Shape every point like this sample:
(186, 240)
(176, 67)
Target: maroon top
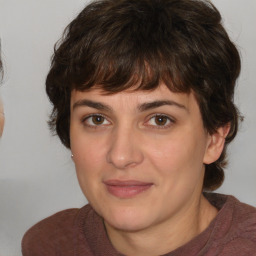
(81, 232)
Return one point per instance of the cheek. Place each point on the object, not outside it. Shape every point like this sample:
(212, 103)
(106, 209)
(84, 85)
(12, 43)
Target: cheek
(87, 150)
(179, 160)
(1, 123)
(171, 152)
(89, 155)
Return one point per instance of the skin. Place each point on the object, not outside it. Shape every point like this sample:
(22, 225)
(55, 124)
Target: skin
(1, 118)
(127, 141)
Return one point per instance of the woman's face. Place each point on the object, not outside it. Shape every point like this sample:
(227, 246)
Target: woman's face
(139, 156)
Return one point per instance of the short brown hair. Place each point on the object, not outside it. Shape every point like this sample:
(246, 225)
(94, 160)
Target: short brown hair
(118, 44)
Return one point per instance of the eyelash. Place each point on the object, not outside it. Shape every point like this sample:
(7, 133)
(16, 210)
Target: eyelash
(169, 120)
(165, 126)
(95, 126)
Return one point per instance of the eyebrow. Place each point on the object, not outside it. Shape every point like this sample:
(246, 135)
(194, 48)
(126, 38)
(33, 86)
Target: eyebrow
(92, 104)
(159, 103)
(143, 107)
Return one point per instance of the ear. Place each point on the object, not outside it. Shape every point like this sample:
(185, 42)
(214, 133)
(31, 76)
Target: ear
(215, 145)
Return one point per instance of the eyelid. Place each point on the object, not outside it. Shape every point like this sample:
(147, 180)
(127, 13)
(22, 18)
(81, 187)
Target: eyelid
(172, 121)
(83, 120)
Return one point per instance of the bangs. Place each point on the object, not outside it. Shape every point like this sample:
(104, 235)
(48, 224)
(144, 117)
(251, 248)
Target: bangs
(139, 54)
(131, 70)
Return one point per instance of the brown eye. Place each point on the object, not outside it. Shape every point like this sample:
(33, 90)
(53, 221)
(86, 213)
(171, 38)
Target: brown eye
(161, 120)
(97, 120)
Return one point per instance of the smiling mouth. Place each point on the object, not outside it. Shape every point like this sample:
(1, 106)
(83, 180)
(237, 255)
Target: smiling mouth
(126, 189)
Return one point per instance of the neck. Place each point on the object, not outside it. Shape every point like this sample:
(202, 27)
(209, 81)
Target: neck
(170, 234)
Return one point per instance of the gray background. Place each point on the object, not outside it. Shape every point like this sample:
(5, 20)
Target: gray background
(37, 176)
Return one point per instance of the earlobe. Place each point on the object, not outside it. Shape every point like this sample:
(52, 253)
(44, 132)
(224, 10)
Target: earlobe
(216, 142)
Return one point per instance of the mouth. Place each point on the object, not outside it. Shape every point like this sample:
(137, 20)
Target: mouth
(127, 188)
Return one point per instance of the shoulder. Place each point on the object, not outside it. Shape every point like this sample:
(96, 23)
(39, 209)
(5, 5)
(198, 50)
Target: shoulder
(243, 222)
(55, 232)
(235, 228)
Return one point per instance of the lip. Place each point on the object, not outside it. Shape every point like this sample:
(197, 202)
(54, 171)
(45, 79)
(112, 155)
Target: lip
(126, 188)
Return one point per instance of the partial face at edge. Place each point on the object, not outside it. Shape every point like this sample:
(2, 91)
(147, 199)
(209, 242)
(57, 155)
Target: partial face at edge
(139, 156)
(1, 118)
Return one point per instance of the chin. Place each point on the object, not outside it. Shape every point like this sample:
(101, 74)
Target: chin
(128, 226)
(130, 220)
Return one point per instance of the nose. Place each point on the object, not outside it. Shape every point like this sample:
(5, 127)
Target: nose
(124, 149)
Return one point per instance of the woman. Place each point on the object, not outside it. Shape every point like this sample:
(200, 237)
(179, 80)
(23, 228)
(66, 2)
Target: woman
(142, 94)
